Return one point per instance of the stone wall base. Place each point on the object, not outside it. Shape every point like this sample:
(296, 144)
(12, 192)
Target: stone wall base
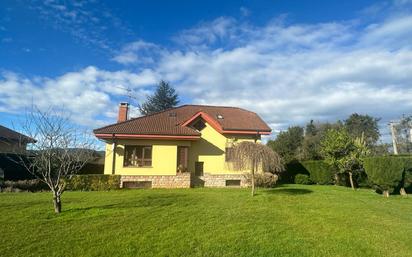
(221, 180)
(184, 180)
(180, 180)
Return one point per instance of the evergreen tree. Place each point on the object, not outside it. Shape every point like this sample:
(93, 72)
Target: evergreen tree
(164, 97)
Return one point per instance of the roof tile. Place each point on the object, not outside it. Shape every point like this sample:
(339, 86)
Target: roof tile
(169, 122)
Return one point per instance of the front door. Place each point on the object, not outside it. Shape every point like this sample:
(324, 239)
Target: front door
(182, 156)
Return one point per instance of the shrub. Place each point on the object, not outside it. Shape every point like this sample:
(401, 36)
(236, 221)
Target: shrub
(266, 179)
(320, 172)
(302, 179)
(292, 169)
(93, 183)
(386, 173)
(31, 185)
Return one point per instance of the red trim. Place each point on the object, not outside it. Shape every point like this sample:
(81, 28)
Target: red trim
(219, 128)
(207, 118)
(251, 132)
(126, 136)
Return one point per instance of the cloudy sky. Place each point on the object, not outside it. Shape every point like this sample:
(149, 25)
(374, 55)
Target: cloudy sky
(288, 60)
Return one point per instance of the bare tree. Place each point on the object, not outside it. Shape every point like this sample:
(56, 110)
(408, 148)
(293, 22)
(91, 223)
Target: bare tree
(253, 156)
(60, 151)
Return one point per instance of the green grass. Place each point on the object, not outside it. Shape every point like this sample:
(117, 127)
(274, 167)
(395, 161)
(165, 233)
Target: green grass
(292, 220)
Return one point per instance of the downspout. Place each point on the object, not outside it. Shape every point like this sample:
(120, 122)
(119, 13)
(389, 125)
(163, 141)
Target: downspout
(114, 155)
(257, 136)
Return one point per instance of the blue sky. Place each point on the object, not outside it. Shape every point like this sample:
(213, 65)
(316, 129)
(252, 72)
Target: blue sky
(288, 60)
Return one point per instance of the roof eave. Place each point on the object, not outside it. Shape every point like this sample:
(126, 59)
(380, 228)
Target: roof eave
(147, 136)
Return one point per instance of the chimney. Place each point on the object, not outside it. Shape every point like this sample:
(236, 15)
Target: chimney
(123, 112)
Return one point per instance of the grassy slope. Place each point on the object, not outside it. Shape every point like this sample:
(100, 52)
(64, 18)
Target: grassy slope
(287, 221)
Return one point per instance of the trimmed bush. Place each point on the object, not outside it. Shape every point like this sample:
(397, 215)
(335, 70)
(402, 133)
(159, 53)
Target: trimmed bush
(266, 180)
(302, 179)
(30, 185)
(93, 183)
(291, 170)
(320, 172)
(386, 173)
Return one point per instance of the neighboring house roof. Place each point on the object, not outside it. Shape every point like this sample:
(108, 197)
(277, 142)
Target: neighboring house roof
(9, 135)
(176, 122)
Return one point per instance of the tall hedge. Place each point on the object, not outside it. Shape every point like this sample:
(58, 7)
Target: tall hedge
(387, 173)
(320, 172)
(291, 170)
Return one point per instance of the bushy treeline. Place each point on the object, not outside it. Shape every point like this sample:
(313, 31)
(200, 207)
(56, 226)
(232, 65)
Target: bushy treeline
(342, 153)
(305, 143)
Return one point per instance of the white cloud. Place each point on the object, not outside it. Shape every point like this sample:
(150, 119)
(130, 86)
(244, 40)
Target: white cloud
(88, 22)
(138, 52)
(288, 73)
(89, 94)
(292, 73)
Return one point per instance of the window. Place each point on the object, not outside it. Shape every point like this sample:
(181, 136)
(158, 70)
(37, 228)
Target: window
(233, 183)
(138, 156)
(199, 124)
(229, 154)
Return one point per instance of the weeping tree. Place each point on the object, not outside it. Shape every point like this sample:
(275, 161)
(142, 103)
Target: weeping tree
(60, 151)
(256, 157)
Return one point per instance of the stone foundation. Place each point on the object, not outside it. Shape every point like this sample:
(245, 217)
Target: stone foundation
(185, 180)
(221, 180)
(180, 180)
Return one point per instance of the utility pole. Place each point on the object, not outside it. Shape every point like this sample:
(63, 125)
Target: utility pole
(395, 148)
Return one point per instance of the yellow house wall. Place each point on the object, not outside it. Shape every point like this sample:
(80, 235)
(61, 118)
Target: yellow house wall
(210, 150)
(164, 157)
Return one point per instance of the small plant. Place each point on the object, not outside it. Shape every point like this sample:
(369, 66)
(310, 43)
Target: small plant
(181, 169)
(303, 179)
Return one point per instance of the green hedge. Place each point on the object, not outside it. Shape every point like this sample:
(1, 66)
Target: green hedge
(291, 170)
(303, 179)
(389, 173)
(320, 172)
(93, 183)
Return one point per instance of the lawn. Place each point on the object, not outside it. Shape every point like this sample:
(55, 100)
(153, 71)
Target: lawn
(291, 220)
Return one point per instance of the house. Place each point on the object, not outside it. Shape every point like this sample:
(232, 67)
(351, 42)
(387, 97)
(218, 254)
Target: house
(153, 150)
(12, 141)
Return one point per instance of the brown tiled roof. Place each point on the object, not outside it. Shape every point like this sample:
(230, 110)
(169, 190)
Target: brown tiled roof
(7, 134)
(170, 122)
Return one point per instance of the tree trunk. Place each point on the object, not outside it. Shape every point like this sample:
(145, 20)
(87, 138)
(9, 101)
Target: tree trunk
(57, 203)
(253, 183)
(336, 179)
(403, 192)
(253, 179)
(385, 193)
(351, 181)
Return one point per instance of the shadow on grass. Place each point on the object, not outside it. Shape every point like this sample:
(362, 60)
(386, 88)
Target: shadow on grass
(289, 191)
(156, 201)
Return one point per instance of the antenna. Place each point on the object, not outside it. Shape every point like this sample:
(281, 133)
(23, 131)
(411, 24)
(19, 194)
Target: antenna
(129, 94)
